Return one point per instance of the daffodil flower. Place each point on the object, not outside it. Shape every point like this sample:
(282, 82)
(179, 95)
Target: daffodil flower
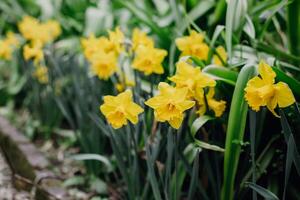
(262, 91)
(191, 78)
(32, 29)
(140, 38)
(193, 45)
(41, 74)
(170, 104)
(34, 52)
(104, 64)
(217, 106)
(116, 39)
(149, 60)
(119, 109)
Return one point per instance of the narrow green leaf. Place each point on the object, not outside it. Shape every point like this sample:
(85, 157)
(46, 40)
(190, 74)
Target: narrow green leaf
(205, 145)
(263, 192)
(221, 73)
(293, 23)
(198, 123)
(219, 12)
(287, 134)
(288, 162)
(235, 15)
(235, 131)
(190, 153)
(252, 143)
(88, 156)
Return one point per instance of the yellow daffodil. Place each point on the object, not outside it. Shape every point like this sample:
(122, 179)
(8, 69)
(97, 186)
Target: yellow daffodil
(217, 106)
(28, 27)
(140, 38)
(34, 52)
(5, 50)
(12, 39)
(222, 53)
(53, 28)
(191, 78)
(91, 45)
(170, 104)
(193, 45)
(41, 74)
(118, 109)
(149, 60)
(7, 45)
(262, 91)
(116, 39)
(104, 64)
(32, 29)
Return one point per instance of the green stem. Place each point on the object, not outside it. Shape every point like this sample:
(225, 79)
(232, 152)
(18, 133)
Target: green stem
(293, 23)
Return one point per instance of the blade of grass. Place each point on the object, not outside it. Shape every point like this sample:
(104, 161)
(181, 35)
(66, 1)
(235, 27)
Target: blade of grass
(235, 131)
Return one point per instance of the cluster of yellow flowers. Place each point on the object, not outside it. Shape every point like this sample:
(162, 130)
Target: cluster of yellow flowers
(7, 45)
(194, 45)
(172, 101)
(262, 91)
(38, 34)
(103, 54)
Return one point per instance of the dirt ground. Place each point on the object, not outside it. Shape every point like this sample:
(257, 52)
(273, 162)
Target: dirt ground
(7, 191)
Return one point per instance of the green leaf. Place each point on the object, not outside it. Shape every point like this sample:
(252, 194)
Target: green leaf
(263, 192)
(205, 145)
(200, 9)
(222, 74)
(75, 180)
(235, 131)
(190, 152)
(293, 23)
(235, 14)
(198, 123)
(249, 28)
(97, 157)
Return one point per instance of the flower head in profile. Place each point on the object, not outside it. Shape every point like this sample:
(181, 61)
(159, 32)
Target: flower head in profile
(218, 107)
(104, 64)
(119, 109)
(41, 74)
(116, 40)
(141, 38)
(149, 60)
(33, 51)
(191, 78)
(193, 45)
(262, 91)
(223, 55)
(169, 105)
